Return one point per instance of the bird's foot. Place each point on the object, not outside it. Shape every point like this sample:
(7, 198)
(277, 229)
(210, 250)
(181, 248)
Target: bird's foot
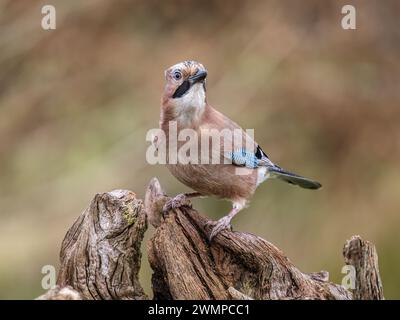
(221, 224)
(173, 203)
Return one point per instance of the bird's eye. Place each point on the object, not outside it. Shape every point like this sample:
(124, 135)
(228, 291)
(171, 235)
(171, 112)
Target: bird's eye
(177, 75)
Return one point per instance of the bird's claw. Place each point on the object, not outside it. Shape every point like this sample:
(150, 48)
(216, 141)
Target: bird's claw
(174, 203)
(222, 224)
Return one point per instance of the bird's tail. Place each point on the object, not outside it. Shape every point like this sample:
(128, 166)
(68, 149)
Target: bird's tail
(293, 178)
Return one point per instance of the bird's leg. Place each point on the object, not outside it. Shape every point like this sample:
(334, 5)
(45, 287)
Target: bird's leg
(225, 222)
(180, 200)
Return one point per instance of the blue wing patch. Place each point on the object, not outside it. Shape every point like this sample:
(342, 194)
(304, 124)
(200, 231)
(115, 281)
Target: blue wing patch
(242, 157)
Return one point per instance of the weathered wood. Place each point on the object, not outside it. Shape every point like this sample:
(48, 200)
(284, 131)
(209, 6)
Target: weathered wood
(235, 265)
(363, 257)
(100, 258)
(154, 201)
(186, 266)
(100, 254)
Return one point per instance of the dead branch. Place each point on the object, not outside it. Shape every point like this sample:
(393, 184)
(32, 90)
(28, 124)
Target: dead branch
(363, 257)
(100, 257)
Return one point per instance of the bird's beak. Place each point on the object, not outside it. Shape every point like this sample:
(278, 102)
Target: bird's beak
(198, 77)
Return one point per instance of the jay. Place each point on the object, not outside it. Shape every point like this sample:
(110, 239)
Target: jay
(243, 168)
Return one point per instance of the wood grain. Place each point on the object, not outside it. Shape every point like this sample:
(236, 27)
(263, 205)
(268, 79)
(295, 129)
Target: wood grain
(100, 258)
(100, 255)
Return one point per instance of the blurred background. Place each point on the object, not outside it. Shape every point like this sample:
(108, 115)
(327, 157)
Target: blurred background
(76, 103)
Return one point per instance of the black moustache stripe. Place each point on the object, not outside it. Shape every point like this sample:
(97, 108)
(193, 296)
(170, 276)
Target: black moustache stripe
(182, 89)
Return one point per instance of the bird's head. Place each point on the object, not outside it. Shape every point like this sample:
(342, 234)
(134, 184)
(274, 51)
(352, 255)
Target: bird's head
(185, 91)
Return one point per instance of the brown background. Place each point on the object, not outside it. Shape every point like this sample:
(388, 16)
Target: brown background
(76, 103)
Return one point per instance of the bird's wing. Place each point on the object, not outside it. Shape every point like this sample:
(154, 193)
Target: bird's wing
(249, 159)
(247, 153)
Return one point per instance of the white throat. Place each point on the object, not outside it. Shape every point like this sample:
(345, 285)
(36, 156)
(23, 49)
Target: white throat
(190, 106)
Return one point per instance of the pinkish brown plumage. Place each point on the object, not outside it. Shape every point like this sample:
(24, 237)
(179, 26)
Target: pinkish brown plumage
(184, 102)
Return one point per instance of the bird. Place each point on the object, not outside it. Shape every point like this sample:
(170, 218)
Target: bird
(184, 103)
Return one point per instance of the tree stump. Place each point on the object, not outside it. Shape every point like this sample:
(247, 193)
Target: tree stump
(363, 257)
(100, 257)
